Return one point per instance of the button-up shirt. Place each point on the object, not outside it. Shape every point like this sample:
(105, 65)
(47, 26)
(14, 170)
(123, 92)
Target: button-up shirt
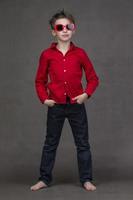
(65, 74)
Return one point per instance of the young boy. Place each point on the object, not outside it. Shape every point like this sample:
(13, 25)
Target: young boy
(63, 62)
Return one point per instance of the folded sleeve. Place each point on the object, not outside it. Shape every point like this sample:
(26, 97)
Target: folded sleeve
(41, 78)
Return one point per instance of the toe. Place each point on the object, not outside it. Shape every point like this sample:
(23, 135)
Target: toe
(89, 186)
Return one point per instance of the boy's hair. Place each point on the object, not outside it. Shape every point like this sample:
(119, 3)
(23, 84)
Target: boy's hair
(61, 14)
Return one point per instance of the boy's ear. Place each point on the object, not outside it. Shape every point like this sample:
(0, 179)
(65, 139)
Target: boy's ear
(53, 32)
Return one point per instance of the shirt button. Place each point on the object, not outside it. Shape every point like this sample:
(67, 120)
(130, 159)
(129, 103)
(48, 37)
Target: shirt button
(64, 70)
(65, 82)
(64, 93)
(64, 59)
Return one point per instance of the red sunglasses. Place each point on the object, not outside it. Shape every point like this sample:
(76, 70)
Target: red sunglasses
(60, 27)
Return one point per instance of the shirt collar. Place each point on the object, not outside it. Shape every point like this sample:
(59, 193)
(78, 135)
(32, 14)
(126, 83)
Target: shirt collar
(53, 45)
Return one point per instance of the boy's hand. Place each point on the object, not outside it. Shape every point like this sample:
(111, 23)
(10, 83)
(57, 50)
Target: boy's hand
(49, 102)
(81, 98)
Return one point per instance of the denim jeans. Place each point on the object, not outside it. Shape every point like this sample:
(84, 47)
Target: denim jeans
(77, 117)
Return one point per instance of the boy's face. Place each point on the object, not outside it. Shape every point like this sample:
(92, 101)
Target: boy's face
(65, 34)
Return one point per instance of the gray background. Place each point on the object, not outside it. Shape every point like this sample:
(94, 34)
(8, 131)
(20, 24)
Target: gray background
(104, 30)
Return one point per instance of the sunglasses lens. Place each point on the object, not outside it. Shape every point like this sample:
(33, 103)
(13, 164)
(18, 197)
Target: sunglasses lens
(59, 27)
(70, 27)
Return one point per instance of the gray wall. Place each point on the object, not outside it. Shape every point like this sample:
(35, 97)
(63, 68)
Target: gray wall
(104, 30)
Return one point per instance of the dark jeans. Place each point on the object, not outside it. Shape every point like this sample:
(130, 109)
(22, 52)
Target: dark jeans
(77, 117)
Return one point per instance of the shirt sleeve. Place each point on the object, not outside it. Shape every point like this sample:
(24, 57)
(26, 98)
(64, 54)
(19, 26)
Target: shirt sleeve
(90, 74)
(41, 78)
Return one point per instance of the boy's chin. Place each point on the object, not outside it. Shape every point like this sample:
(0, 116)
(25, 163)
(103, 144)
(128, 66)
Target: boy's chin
(65, 40)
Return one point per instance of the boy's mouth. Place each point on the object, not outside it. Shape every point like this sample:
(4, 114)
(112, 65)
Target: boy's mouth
(65, 35)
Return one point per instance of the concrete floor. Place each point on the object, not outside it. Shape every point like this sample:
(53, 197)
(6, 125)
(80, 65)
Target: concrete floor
(115, 187)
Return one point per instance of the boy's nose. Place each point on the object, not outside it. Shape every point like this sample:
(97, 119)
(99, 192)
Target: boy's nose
(65, 29)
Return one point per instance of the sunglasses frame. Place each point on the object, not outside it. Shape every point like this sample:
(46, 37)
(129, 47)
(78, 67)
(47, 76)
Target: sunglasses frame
(64, 26)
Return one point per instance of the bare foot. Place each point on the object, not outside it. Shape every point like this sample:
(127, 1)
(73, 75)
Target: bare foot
(89, 186)
(38, 185)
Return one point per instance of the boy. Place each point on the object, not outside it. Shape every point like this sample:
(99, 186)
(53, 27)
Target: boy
(63, 62)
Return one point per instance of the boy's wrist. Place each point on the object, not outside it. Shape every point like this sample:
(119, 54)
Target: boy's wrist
(87, 95)
(45, 100)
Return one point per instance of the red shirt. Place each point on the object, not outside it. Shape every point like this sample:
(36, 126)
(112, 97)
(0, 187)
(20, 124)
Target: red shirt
(65, 74)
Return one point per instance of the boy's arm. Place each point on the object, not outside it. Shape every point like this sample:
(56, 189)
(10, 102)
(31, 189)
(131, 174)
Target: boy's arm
(91, 76)
(41, 78)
